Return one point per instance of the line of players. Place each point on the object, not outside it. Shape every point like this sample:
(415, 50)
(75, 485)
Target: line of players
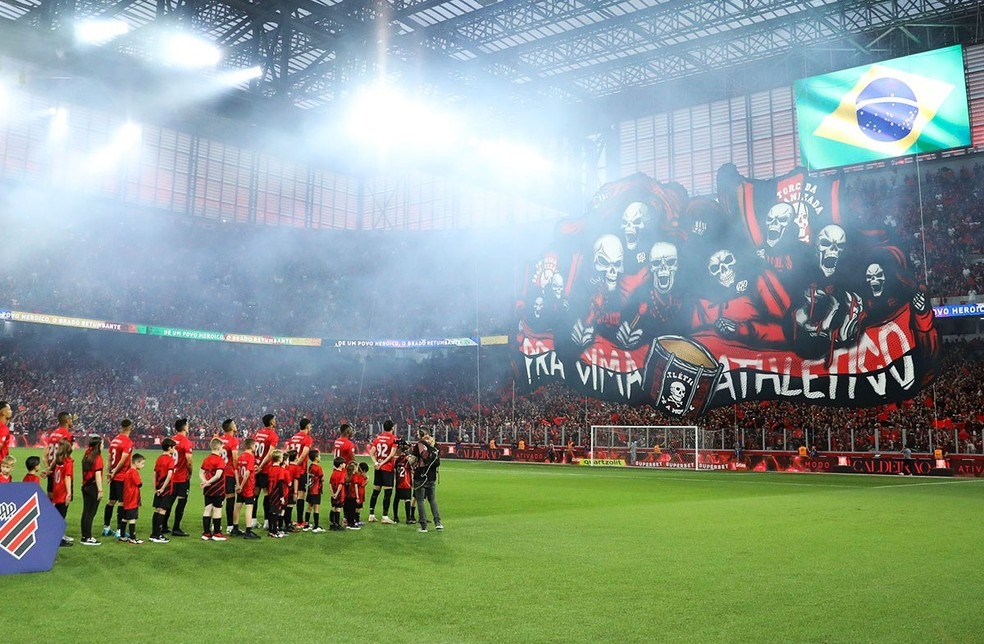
(288, 479)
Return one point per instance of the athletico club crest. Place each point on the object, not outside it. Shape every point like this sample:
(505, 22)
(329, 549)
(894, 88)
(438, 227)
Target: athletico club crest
(17, 534)
(30, 529)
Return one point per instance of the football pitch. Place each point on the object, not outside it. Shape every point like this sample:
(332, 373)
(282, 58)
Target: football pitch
(537, 553)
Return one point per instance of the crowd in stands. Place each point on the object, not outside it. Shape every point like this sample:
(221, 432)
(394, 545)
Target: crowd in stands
(181, 272)
(177, 272)
(102, 381)
(266, 281)
(942, 234)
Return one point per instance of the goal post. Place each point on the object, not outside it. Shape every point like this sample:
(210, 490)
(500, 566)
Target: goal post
(665, 446)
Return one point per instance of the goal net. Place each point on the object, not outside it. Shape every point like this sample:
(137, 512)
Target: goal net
(648, 446)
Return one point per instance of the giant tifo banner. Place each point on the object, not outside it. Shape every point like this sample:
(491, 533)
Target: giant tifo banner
(774, 291)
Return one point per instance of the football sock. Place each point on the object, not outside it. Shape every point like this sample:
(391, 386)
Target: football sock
(307, 517)
(372, 501)
(409, 511)
(217, 526)
(300, 509)
(179, 512)
(230, 508)
(107, 515)
(288, 515)
(387, 495)
(358, 519)
(133, 530)
(207, 524)
(266, 509)
(317, 520)
(155, 525)
(120, 523)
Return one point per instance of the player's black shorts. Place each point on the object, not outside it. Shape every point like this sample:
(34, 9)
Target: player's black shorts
(245, 500)
(313, 499)
(382, 479)
(181, 489)
(130, 515)
(116, 491)
(302, 483)
(337, 505)
(262, 481)
(163, 501)
(215, 500)
(403, 494)
(230, 485)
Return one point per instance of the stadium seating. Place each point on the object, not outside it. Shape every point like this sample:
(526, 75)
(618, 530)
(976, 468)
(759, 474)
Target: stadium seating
(329, 284)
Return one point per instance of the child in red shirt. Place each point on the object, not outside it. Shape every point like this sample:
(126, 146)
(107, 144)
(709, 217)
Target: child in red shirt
(245, 490)
(33, 463)
(360, 478)
(404, 486)
(131, 499)
(6, 467)
(293, 473)
(316, 482)
(351, 495)
(212, 475)
(61, 481)
(277, 479)
(337, 485)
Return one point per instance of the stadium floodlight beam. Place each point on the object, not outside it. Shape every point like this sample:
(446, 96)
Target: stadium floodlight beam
(513, 159)
(58, 128)
(237, 77)
(189, 52)
(391, 121)
(99, 32)
(128, 135)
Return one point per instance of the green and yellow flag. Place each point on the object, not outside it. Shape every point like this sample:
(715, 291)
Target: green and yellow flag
(901, 106)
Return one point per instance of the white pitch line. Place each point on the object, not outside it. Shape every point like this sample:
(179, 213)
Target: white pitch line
(709, 477)
(953, 481)
(698, 479)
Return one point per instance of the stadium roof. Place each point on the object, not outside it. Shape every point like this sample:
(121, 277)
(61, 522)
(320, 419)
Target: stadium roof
(590, 61)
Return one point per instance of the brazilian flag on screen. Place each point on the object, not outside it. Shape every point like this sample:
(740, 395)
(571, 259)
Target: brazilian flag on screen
(901, 106)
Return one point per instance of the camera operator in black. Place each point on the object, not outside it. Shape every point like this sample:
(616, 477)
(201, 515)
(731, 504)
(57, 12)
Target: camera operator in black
(425, 458)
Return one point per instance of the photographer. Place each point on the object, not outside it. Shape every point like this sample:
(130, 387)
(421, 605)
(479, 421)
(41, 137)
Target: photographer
(425, 458)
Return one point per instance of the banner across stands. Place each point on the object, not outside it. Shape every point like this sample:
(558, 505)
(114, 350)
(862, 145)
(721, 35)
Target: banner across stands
(245, 338)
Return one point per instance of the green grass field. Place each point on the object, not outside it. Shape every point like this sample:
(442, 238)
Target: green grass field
(552, 553)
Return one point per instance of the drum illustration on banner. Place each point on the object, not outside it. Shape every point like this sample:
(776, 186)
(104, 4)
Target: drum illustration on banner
(683, 375)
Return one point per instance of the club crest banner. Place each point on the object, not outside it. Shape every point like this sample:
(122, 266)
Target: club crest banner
(30, 529)
(774, 291)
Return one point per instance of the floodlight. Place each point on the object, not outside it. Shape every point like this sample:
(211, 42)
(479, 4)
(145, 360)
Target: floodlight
(129, 134)
(99, 32)
(58, 127)
(389, 119)
(513, 158)
(236, 77)
(188, 51)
